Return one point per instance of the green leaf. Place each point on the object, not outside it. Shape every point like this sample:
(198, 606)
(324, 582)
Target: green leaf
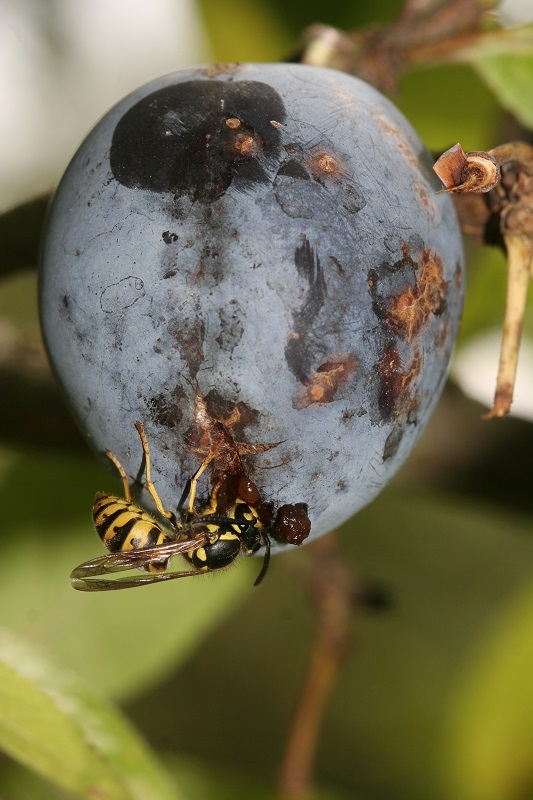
(58, 728)
(19, 783)
(510, 76)
(489, 742)
(120, 641)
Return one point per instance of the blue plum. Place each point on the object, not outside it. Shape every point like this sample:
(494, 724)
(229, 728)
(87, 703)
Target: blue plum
(271, 234)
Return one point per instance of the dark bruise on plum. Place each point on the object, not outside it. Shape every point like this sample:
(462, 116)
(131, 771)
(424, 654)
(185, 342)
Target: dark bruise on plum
(198, 138)
(299, 351)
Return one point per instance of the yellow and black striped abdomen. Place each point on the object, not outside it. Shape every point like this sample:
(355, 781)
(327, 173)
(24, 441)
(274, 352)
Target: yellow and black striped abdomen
(122, 525)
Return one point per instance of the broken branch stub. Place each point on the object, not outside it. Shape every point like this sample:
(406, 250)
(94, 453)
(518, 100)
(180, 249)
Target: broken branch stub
(463, 172)
(504, 178)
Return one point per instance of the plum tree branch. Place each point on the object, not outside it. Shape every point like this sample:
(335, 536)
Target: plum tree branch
(31, 406)
(425, 32)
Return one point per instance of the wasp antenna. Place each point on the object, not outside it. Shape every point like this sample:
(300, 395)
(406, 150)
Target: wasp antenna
(266, 560)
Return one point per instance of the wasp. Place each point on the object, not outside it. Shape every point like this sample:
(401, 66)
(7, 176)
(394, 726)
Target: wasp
(136, 540)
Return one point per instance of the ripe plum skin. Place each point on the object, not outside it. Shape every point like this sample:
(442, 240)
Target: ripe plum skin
(272, 234)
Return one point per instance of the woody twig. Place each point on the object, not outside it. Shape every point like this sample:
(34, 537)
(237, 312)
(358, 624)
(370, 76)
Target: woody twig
(497, 187)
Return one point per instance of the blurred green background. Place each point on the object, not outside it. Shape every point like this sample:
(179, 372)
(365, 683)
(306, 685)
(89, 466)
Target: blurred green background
(435, 697)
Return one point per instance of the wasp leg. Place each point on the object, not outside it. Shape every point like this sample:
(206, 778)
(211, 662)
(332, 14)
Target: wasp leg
(118, 465)
(194, 483)
(149, 485)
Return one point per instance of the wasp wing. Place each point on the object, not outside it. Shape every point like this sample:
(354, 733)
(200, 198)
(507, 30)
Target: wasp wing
(84, 576)
(104, 585)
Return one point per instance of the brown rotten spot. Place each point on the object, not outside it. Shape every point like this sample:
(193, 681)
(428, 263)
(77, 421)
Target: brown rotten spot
(324, 384)
(395, 396)
(408, 311)
(326, 164)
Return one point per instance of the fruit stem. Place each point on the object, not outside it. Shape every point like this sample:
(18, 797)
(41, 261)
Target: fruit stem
(519, 267)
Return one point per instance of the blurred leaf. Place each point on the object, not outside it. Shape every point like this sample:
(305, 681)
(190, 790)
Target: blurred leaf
(345, 14)
(489, 743)
(451, 566)
(448, 565)
(121, 641)
(432, 100)
(510, 76)
(241, 31)
(59, 729)
(19, 783)
(201, 781)
(486, 284)
(504, 61)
